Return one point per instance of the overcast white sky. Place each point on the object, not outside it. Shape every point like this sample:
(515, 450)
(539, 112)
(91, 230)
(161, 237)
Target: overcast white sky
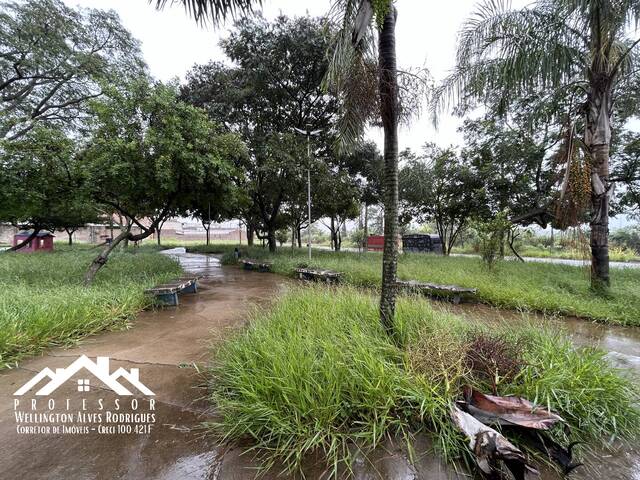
(172, 43)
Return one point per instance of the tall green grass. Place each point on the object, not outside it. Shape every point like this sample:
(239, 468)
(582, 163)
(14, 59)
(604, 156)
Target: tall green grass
(43, 302)
(316, 374)
(547, 288)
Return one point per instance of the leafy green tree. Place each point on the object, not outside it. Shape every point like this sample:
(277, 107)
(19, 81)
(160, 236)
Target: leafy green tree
(515, 167)
(273, 86)
(74, 211)
(337, 198)
(440, 186)
(54, 58)
(578, 49)
(41, 183)
(152, 156)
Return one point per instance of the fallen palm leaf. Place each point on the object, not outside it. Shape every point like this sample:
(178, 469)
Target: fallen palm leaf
(491, 409)
(489, 447)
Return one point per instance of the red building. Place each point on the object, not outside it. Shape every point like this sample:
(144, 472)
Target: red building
(43, 242)
(375, 243)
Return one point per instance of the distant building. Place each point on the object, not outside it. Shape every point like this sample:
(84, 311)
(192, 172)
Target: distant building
(43, 241)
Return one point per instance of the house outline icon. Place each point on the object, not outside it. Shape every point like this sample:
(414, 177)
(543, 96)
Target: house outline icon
(99, 369)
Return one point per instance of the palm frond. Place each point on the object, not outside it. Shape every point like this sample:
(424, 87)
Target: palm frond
(352, 70)
(216, 11)
(511, 53)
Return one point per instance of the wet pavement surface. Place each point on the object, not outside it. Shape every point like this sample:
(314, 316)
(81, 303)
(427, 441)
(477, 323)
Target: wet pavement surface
(164, 345)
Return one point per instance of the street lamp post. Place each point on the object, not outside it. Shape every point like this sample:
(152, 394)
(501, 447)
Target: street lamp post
(308, 132)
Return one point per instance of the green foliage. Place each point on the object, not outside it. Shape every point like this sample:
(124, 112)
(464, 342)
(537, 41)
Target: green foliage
(439, 186)
(318, 374)
(42, 182)
(381, 9)
(628, 237)
(492, 235)
(152, 155)
(357, 238)
(43, 302)
(511, 160)
(54, 58)
(548, 288)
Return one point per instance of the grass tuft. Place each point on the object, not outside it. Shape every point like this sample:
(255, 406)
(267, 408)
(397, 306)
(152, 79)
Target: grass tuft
(316, 374)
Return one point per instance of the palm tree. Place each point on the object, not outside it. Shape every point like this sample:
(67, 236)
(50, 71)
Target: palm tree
(353, 67)
(572, 47)
(359, 74)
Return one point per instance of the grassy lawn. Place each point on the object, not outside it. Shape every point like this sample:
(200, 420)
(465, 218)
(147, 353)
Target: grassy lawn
(43, 302)
(317, 373)
(616, 254)
(548, 288)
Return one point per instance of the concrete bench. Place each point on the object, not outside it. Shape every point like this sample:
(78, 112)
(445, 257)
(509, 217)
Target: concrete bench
(258, 265)
(311, 274)
(450, 292)
(167, 293)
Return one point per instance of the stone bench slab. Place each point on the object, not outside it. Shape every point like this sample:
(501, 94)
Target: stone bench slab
(454, 292)
(328, 276)
(167, 293)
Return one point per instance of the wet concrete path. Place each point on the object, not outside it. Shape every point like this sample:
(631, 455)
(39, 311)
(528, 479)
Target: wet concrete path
(163, 345)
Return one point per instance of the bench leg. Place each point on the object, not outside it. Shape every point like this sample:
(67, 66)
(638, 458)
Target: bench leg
(170, 299)
(192, 288)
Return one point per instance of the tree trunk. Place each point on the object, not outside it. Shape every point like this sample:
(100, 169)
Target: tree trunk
(101, 259)
(249, 235)
(389, 113)
(125, 240)
(300, 237)
(366, 221)
(70, 233)
(600, 220)
(26, 241)
(271, 239)
(293, 237)
(597, 140)
(207, 229)
(159, 231)
(334, 237)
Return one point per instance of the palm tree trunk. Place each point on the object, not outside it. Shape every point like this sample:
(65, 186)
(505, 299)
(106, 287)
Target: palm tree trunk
(597, 140)
(600, 220)
(388, 90)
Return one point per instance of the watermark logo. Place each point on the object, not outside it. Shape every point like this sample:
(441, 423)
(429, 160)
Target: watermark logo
(99, 369)
(85, 412)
